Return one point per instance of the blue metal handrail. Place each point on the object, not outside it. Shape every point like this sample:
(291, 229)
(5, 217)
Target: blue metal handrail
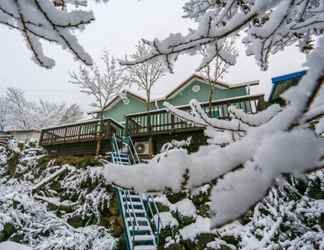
(128, 208)
(157, 225)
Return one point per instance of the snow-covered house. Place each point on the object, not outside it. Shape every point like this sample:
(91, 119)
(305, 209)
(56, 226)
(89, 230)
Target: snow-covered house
(195, 87)
(150, 130)
(25, 135)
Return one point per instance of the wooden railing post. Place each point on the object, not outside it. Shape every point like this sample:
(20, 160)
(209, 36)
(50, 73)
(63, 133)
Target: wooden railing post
(149, 128)
(65, 133)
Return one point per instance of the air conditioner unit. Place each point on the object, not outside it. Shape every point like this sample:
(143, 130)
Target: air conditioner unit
(142, 148)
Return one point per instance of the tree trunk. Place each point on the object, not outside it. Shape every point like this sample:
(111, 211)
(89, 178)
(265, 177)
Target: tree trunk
(12, 163)
(99, 134)
(148, 108)
(210, 99)
(149, 125)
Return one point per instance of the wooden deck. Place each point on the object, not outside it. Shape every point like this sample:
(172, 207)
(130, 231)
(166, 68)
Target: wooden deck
(156, 127)
(162, 122)
(160, 126)
(79, 138)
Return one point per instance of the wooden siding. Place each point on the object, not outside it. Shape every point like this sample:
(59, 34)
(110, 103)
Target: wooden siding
(119, 111)
(187, 94)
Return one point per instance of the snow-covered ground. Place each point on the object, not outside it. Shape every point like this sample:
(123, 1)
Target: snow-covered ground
(44, 207)
(40, 215)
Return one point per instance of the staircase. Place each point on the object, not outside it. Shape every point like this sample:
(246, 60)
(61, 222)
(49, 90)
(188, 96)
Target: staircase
(138, 210)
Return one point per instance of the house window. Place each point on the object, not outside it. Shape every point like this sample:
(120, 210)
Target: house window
(126, 101)
(195, 88)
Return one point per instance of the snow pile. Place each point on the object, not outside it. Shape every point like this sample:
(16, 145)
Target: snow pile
(12, 246)
(320, 127)
(201, 225)
(166, 220)
(185, 207)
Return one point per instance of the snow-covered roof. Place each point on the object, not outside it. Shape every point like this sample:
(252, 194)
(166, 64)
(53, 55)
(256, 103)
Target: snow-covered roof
(81, 122)
(117, 99)
(22, 131)
(218, 83)
(179, 88)
(202, 103)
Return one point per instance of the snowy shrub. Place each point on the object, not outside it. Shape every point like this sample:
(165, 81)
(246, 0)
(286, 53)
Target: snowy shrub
(38, 206)
(41, 229)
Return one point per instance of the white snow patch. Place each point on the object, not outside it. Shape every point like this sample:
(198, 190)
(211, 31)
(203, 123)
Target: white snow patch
(185, 207)
(10, 245)
(202, 225)
(167, 220)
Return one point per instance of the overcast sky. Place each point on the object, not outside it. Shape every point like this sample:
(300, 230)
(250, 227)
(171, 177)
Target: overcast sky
(118, 27)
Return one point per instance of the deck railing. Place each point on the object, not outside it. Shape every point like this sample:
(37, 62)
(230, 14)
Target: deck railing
(161, 121)
(80, 132)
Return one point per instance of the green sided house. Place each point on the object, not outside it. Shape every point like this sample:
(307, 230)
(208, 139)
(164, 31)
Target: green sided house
(195, 87)
(150, 130)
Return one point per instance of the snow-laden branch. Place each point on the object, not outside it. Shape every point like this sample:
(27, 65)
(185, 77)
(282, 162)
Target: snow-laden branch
(145, 75)
(104, 85)
(50, 178)
(200, 118)
(269, 26)
(18, 113)
(256, 119)
(42, 20)
(244, 169)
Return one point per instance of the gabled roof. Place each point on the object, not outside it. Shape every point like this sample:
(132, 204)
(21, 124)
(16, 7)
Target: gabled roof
(179, 88)
(218, 83)
(116, 100)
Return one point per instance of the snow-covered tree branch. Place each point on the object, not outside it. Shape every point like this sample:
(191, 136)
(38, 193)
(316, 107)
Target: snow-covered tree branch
(145, 75)
(268, 26)
(214, 67)
(104, 85)
(43, 20)
(243, 170)
(19, 113)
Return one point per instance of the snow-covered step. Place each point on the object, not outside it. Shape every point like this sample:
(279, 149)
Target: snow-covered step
(120, 153)
(144, 237)
(131, 197)
(145, 247)
(138, 228)
(130, 210)
(140, 221)
(130, 206)
(134, 203)
(139, 215)
(142, 228)
(121, 158)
